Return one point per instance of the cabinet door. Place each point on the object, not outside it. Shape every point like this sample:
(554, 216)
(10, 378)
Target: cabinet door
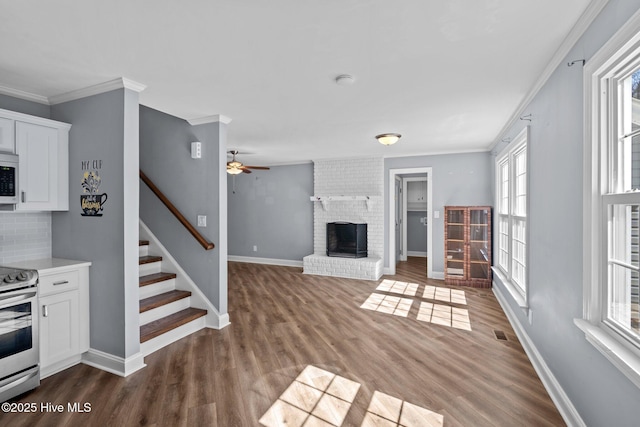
(37, 147)
(455, 243)
(59, 327)
(479, 241)
(7, 140)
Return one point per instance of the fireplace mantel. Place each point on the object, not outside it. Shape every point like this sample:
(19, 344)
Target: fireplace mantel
(369, 200)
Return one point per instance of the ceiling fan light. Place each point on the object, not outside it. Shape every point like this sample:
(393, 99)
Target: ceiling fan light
(388, 138)
(234, 171)
(234, 164)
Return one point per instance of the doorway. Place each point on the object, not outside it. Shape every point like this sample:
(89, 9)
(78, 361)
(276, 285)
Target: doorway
(398, 207)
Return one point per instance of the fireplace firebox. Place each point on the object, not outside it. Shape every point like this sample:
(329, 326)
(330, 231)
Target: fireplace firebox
(346, 239)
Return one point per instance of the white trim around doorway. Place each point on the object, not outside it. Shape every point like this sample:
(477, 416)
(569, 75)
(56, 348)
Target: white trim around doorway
(391, 255)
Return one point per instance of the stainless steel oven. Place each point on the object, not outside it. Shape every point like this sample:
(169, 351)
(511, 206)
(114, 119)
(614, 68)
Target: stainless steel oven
(19, 350)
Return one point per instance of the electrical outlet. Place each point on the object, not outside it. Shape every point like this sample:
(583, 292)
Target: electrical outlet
(255, 248)
(202, 220)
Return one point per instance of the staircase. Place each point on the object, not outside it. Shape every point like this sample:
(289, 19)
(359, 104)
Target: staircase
(166, 313)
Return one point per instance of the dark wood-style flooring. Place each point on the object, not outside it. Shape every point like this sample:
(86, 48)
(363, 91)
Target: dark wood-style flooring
(282, 321)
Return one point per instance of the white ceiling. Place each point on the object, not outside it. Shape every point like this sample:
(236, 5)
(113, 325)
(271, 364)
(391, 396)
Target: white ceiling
(447, 75)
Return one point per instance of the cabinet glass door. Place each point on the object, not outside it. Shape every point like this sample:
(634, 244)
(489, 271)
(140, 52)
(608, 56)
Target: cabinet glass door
(479, 243)
(455, 242)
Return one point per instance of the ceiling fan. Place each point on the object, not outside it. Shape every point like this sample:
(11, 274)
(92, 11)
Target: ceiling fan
(235, 167)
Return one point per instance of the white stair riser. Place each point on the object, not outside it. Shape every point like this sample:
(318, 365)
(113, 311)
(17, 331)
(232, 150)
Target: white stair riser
(157, 288)
(150, 268)
(167, 338)
(143, 250)
(164, 310)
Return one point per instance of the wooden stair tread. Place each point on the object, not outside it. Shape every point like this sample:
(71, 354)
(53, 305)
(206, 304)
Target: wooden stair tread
(166, 324)
(162, 299)
(149, 259)
(150, 279)
(143, 243)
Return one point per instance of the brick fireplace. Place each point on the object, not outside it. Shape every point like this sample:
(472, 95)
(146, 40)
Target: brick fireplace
(348, 190)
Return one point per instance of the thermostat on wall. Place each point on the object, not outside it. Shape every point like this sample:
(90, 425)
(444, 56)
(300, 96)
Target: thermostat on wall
(196, 150)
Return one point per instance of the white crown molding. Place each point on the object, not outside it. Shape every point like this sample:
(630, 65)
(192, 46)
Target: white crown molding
(217, 118)
(119, 83)
(27, 96)
(581, 26)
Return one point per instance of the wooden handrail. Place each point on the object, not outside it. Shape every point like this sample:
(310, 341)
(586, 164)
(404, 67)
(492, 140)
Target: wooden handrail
(199, 237)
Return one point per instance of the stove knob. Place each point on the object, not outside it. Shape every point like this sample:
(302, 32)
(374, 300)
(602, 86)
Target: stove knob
(22, 276)
(10, 278)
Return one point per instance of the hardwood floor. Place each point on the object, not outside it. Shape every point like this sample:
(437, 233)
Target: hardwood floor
(281, 322)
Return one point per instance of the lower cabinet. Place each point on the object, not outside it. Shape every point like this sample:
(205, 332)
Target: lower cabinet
(64, 317)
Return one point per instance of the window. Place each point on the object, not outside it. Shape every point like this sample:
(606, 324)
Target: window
(511, 167)
(612, 201)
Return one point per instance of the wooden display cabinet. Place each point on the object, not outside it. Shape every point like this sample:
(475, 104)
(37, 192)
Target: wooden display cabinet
(467, 246)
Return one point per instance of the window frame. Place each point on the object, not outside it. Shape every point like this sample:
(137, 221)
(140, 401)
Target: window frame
(601, 94)
(520, 143)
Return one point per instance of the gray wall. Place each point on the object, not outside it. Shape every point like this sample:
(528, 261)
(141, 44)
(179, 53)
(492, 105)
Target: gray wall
(25, 107)
(101, 130)
(600, 393)
(457, 179)
(271, 210)
(416, 232)
(192, 185)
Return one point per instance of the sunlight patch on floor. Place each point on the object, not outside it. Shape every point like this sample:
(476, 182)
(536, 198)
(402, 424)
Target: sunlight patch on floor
(385, 410)
(315, 398)
(444, 315)
(395, 287)
(388, 304)
(319, 398)
(455, 296)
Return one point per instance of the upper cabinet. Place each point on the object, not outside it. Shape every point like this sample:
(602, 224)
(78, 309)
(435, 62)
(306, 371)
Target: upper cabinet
(7, 138)
(417, 195)
(42, 147)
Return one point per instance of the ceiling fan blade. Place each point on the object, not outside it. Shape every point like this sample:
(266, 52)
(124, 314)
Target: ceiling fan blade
(263, 168)
(245, 170)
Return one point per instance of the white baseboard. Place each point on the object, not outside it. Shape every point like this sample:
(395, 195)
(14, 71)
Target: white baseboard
(417, 253)
(551, 384)
(439, 275)
(60, 366)
(268, 261)
(114, 364)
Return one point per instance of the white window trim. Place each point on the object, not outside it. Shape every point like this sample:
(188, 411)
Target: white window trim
(621, 353)
(521, 140)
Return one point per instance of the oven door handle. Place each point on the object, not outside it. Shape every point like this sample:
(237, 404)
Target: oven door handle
(16, 298)
(20, 380)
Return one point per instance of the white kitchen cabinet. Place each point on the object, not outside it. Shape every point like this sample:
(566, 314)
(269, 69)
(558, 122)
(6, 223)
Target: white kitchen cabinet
(7, 138)
(43, 167)
(59, 328)
(417, 195)
(63, 300)
(43, 149)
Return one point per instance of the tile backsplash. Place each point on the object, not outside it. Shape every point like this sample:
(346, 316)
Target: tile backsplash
(24, 236)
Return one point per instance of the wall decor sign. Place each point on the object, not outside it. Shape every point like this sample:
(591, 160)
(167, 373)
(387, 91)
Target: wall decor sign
(92, 200)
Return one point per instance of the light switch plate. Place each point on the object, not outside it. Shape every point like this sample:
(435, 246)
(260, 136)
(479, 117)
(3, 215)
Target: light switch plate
(202, 220)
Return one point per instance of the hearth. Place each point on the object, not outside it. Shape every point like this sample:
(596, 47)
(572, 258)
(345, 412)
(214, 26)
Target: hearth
(346, 239)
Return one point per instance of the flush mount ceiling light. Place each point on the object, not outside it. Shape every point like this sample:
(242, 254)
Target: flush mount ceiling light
(388, 138)
(344, 80)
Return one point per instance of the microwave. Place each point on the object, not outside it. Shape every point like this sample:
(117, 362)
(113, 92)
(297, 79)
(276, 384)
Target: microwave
(8, 179)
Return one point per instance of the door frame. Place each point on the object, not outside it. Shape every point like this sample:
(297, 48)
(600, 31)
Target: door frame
(391, 255)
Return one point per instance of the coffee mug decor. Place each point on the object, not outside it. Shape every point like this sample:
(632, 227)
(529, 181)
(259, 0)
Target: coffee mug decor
(91, 201)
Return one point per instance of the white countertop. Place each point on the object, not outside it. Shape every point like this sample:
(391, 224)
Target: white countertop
(49, 264)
